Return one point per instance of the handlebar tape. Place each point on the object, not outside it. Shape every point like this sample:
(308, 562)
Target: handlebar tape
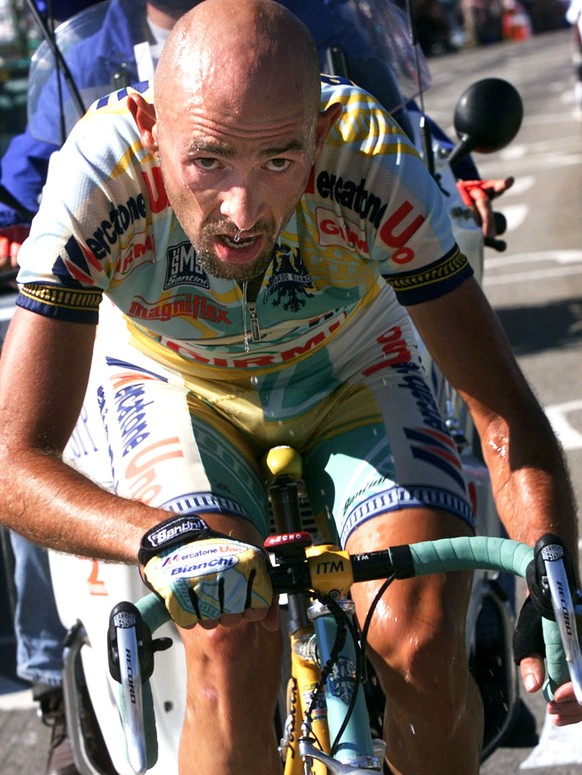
(499, 554)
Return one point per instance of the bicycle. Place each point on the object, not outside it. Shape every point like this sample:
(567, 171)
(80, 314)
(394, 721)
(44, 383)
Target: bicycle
(327, 666)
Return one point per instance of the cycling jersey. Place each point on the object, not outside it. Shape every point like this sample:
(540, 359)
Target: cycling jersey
(323, 357)
(106, 226)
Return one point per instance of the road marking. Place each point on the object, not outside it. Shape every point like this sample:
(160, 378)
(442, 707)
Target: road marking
(515, 215)
(533, 157)
(557, 414)
(557, 746)
(559, 256)
(569, 262)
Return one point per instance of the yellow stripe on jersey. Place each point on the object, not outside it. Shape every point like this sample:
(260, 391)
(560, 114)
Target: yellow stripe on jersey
(68, 298)
(362, 122)
(453, 265)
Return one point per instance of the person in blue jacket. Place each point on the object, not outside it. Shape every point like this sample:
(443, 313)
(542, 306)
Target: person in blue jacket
(99, 64)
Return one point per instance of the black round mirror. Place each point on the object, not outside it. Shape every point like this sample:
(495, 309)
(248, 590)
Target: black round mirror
(488, 115)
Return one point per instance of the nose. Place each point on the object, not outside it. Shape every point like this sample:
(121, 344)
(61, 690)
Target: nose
(243, 204)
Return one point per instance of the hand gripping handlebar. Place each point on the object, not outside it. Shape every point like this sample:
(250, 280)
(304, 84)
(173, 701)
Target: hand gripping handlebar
(300, 567)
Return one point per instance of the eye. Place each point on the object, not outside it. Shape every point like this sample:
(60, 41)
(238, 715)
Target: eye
(206, 163)
(278, 165)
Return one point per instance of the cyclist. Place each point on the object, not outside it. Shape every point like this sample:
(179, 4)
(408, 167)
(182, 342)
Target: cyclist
(229, 236)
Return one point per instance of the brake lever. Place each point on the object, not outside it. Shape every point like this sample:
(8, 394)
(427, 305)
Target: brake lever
(124, 624)
(552, 586)
(564, 613)
(131, 662)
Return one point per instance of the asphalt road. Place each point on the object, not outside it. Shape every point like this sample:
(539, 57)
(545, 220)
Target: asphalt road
(536, 288)
(536, 285)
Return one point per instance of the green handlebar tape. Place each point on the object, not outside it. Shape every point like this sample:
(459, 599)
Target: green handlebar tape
(455, 554)
(488, 553)
(153, 611)
(555, 660)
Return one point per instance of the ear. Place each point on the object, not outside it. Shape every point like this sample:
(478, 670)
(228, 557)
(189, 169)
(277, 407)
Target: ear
(144, 115)
(325, 122)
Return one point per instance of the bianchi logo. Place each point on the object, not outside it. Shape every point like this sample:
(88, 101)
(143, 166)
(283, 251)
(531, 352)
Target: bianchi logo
(182, 269)
(190, 569)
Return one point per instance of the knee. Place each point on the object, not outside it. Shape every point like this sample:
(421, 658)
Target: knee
(422, 658)
(221, 653)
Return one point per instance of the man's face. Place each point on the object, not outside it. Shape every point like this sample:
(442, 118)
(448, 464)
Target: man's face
(234, 172)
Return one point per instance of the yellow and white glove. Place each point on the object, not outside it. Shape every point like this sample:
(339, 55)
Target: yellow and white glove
(201, 574)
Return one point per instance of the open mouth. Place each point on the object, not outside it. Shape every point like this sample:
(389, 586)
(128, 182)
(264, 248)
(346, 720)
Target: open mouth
(245, 249)
(238, 243)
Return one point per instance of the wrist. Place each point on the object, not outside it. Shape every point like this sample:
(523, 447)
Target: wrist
(175, 531)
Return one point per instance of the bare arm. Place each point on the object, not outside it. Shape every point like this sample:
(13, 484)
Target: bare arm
(43, 376)
(530, 481)
(529, 477)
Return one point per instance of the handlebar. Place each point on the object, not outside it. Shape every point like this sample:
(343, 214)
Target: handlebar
(420, 559)
(325, 569)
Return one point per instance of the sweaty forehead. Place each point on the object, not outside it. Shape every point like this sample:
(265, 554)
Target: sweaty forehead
(221, 100)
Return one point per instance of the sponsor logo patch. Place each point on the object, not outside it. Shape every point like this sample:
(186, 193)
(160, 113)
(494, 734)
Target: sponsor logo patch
(182, 269)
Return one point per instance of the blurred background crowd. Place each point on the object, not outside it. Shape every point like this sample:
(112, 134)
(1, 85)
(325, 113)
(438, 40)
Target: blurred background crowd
(448, 25)
(444, 26)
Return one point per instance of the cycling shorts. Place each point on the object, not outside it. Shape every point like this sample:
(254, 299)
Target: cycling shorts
(362, 416)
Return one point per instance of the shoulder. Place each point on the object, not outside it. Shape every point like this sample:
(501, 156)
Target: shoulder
(364, 126)
(108, 129)
(116, 103)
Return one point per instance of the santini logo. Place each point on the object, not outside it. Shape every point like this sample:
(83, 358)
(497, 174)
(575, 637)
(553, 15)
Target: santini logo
(182, 268)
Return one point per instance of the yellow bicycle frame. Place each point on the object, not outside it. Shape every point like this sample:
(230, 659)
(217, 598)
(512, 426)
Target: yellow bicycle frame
(305, 674)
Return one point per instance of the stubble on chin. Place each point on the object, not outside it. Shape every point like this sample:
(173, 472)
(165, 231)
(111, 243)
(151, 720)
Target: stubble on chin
(231, 271)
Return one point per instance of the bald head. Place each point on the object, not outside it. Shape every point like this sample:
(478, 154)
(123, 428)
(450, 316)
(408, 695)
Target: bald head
(234, 50)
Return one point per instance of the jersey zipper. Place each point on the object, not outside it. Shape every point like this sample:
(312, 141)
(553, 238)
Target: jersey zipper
(255, 327)
(251, 306)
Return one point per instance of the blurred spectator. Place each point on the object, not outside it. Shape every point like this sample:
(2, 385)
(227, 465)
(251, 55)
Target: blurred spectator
(516, 22)
(433, 27)
(546, 15)
(482, 21)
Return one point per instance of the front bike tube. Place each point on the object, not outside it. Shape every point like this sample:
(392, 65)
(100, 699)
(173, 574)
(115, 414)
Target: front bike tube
(355, 747)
